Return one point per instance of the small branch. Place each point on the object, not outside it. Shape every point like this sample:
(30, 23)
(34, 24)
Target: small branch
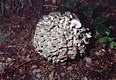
(30, 3)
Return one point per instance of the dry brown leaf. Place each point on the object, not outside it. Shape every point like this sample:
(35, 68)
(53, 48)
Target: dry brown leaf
(51, 76)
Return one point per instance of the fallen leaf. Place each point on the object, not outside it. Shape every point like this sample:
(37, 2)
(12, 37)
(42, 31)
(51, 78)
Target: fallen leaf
(51, 76)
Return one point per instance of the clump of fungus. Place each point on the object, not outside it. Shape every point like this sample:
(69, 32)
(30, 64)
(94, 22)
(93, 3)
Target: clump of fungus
(58, 36)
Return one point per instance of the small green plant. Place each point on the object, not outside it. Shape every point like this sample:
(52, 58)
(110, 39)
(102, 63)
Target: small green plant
(106, 39)
(112, 44)
(2, 37)
(75, 76)
(101, 29)
(109, 40)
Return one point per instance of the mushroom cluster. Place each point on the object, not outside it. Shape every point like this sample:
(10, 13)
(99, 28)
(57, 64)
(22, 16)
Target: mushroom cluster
(60, 36)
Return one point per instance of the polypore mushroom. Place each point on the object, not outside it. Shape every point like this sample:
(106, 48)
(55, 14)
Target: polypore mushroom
(60, 36)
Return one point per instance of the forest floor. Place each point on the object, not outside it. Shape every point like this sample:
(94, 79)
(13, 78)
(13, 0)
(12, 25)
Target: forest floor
(19, 61)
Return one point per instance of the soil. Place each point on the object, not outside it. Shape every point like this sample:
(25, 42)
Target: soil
(19, 61)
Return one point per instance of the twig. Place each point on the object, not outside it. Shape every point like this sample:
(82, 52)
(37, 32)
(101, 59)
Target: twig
(32, 62)
(30, 3)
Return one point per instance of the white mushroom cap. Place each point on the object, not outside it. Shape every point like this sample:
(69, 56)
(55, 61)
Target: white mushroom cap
(75, 23)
